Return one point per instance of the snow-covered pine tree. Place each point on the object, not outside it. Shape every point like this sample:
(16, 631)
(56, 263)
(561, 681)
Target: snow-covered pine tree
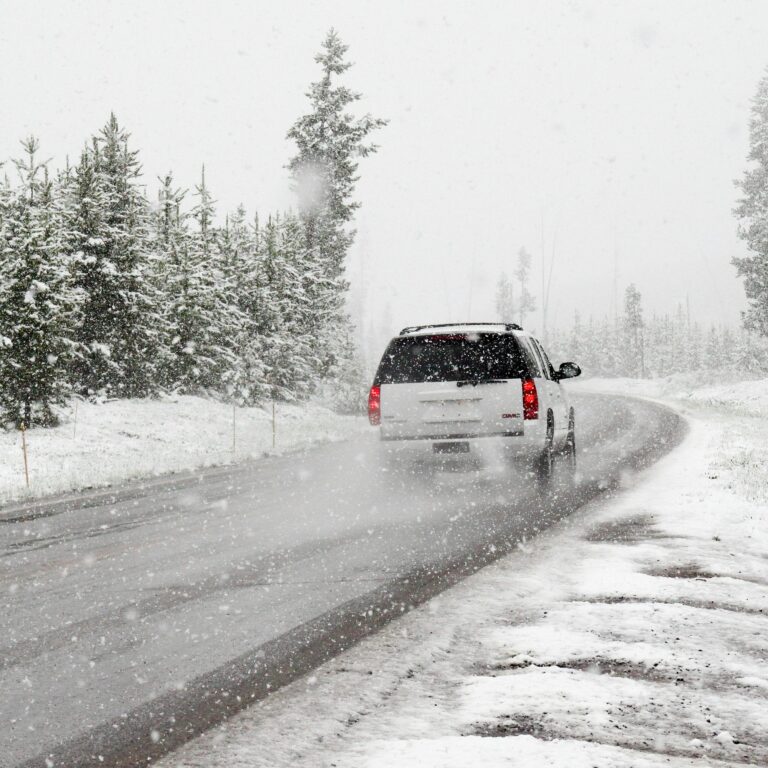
(240, 264)
(170, 232)
(632, 326)
(727, 349)
(302, 274)
(201, 312)
(678, 341)
(659, 346)
(330, 141)
(747, 353)
(752, 214)
(672, 345)
(282, 342)
(712, 350)
(171, 243)
(236, 246)
(5, 198)
(667, 341)
(37, 301)
(557, 344)
(694, 348)
(583, 351)
(84, 232)
(108, 236)
(575, 343)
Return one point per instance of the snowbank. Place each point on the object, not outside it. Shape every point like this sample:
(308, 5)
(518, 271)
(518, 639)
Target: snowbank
(744, 397)
(634, 635)
(743, 449)
(102, 444)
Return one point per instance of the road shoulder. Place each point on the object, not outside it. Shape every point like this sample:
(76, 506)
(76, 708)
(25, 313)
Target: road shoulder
(99, 446)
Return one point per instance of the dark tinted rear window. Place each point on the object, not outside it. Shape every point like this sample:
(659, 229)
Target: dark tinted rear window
(450, 358)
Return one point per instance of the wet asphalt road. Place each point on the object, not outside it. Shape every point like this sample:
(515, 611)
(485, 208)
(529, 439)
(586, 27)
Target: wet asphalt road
(134, 619)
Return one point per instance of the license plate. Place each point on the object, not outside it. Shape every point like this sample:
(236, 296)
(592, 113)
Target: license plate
(450, 447)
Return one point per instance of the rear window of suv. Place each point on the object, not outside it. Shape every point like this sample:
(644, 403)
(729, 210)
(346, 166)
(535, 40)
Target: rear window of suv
(450, 357)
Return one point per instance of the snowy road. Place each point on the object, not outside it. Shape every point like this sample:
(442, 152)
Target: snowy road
(131, 624)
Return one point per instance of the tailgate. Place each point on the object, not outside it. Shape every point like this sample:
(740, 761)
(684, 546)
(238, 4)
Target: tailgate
(442, 410)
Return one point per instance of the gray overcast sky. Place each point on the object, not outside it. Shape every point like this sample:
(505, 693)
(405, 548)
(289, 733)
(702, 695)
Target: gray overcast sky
(620, 125)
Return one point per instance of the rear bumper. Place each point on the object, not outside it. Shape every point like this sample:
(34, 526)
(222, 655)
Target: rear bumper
(394, 438)
(527, 443)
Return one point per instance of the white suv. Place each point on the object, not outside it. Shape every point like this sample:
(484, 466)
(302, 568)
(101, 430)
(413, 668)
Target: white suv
(464, 388)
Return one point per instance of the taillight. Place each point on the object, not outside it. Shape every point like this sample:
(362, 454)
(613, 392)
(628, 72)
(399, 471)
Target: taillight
(374, 405)
(530, 400)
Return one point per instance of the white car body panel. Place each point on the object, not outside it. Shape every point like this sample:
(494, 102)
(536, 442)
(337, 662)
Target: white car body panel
(440, 410)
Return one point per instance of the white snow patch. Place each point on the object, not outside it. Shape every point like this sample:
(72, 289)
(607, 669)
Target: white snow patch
(99, 444)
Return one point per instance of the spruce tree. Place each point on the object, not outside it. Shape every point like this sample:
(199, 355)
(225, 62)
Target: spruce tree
(171, 244)
(752, 214)
(240, 262)
(169, 220)
(661, 337)
(37, 302)
(713, 350)
(694, 351)
(576, 341)
(330, 140)
(727, 349)
(632, 325)
(201, 311)
(751, 353)
(272, 325)
(108, 234)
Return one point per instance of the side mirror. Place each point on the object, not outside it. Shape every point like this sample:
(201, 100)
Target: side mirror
(568, 371)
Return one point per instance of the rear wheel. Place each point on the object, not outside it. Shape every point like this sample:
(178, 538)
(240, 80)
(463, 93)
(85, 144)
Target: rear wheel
(569, 451)
(570, 442)
(545, 464)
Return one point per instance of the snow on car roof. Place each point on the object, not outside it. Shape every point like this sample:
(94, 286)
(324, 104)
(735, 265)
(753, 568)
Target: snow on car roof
(427, 330)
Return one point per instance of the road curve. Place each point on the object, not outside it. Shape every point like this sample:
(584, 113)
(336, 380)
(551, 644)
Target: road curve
(132, 620)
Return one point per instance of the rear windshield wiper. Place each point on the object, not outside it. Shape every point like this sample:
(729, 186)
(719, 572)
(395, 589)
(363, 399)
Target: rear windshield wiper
(475, 382)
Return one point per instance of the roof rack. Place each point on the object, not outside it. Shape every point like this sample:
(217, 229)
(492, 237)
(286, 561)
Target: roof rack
(414, 328)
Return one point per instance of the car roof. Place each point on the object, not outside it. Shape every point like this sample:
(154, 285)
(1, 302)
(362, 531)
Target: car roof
(451, 328)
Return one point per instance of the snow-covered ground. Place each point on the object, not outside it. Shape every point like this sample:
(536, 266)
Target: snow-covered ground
(99, 444)
(722, 395)
(634, 634)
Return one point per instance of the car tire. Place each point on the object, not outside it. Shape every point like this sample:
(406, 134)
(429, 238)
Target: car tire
(568, 455)
(545, 464)
(569, 450)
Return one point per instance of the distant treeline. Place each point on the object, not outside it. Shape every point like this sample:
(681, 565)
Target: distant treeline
(106, 294)
(661, 346)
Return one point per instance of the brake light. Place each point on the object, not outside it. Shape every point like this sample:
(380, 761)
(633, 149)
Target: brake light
(374, 405)
(530, 400)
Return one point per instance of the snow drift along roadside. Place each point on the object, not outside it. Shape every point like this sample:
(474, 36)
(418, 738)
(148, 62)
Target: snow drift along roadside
(106, 443)
(633, 635)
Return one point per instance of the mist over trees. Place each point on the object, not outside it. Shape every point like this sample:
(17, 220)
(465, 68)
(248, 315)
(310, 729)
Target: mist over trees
(660, 346)
(516, 303)
(632, 345)
(104, 293)
(505, 299)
